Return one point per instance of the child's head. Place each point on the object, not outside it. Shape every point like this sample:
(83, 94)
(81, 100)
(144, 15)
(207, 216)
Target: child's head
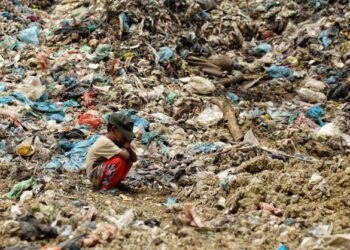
(120, 128)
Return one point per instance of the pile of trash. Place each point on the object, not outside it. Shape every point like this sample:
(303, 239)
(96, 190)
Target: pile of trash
(240, 111)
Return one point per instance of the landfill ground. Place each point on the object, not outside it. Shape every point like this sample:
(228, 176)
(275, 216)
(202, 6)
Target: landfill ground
(240, 111)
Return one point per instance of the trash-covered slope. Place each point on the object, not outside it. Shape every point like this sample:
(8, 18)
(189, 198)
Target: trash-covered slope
(240, 110)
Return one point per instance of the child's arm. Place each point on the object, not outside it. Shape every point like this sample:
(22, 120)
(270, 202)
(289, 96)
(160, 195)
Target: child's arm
(132, 155)
(124, 154)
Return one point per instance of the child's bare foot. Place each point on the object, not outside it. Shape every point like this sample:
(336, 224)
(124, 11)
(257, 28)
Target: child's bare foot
(125, 188)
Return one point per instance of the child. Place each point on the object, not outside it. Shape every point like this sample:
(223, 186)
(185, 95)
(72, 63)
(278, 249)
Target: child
(111, 157)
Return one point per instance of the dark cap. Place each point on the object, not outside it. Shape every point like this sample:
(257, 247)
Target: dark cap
(123, 123)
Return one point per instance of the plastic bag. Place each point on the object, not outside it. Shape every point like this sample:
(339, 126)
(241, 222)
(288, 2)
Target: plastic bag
(17, 189)
(45, 107)
(282, 247)
(102, 51)
(156, 93)
(210, 116)
(315, 113)
(6, 99)
(74, 158)
(71, 103)
(32, 88)
(2, 87)
(328, 130)
(172, 97)
(9, 43)
(276, 72)
(67, 80)
(148, 137)
(321, 230)
(58, 117)
(204, 148)
(198, 85)
(124, 20)
(170, 201)
(165, 54)
(90, 119)
(54, 164)
(232, 97)
(30, 35)
(324, 37)
(314, 84)
(19, 96)
(311, 96)
(137, 120)
(317, 4)
(262, 49)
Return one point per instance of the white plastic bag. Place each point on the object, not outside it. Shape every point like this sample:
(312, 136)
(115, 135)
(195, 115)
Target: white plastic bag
(314, 84)
(210, 116)
(32, 88)
(311, 96)
(198, 85)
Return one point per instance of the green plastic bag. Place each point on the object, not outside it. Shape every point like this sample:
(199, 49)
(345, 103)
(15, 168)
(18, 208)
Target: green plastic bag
(9, 43)
(171, 98)
(17, 189)
(102, 51)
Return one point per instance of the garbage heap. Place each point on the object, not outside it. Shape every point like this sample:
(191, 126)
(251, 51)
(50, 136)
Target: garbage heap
(240, 110)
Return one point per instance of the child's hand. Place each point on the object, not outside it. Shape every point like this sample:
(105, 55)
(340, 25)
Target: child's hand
(126, 145)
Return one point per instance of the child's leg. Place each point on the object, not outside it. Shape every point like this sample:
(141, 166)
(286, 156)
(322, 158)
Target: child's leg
(113, 172)
(127, 168)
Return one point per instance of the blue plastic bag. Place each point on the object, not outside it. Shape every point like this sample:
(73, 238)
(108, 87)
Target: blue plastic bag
(2, 87)
(16, 2)
(205, 15)
(77, 155)
(282, 247)
(137, 120)
(74, 158)
(58, 117)
(19, 96)
(331, 80)
(276, 72)
(148, 137)
(256, 112)
(65, 145)
(320, 69)
(45, 107)
(324, 37)
(71, 103)
(140, 122)
(55, 163)
(7, 15)
(317, 4)
(204, 148)
(262, 49)
(165, 54)
(20, 71)
(67, 80)
(315, 113)
(6, 99)
(30, 35)
(232, 97)
(170, 201)
(124, 17)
